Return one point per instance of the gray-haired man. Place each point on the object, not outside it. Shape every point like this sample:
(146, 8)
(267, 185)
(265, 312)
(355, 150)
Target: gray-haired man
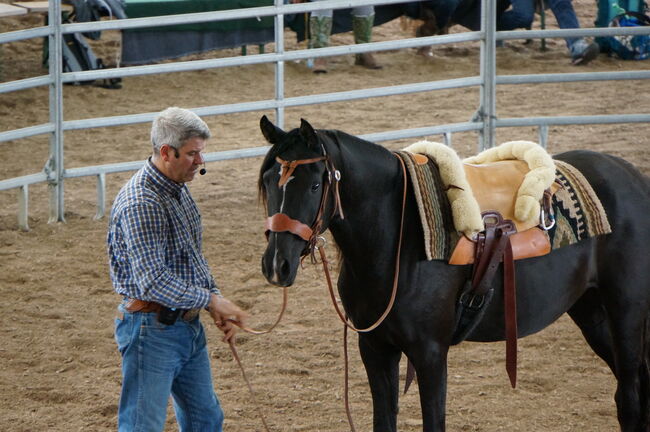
(157, 265)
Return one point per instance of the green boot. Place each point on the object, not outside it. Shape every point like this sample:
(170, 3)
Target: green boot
(362, 27)
(320, 29)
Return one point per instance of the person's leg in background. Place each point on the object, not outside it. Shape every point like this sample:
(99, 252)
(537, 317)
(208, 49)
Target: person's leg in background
(581, 51)
(320, 29)
(363, 18)
(520, 15)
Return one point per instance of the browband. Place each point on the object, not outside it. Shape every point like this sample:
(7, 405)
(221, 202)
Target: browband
(289, 166)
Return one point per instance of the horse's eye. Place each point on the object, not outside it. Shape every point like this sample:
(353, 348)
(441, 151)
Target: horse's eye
(315, 186)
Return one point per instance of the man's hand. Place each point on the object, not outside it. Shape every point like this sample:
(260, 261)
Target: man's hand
(225, 314)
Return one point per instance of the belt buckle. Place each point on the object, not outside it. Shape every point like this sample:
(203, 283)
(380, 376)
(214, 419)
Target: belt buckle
(191, 314)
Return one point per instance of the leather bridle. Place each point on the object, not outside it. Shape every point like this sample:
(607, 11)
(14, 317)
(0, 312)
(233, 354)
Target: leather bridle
(281, 222)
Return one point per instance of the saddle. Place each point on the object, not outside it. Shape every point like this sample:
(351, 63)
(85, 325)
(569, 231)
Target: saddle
(495, 186)
(510, 187)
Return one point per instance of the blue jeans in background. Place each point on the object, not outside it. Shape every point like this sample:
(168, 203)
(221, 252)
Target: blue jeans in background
(522, 13)
(159, 361)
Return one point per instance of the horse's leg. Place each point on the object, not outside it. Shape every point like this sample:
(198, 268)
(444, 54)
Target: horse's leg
(628, 315)
(590, 316)
(430, 364)
(382, 368)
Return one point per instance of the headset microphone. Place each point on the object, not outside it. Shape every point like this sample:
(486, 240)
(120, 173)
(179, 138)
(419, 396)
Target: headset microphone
(202, 171)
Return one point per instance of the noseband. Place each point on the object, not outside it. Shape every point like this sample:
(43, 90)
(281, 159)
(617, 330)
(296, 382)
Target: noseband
(280, 222)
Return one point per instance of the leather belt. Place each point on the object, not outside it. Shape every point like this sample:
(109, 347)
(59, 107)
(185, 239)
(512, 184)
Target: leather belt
(136, 305)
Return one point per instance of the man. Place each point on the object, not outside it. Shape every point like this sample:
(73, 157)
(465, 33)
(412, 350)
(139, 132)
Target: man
(157, 265)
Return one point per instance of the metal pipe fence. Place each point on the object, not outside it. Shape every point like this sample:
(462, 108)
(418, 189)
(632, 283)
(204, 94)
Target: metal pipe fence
(484, 122)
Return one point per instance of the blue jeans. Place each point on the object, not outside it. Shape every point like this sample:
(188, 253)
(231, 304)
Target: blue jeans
(522, 13)
(159, 361)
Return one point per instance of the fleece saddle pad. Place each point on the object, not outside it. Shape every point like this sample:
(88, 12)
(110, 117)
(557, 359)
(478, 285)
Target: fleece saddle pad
(578, 211)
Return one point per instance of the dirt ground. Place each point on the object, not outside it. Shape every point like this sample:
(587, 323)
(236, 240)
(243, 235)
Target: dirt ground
(60, 368)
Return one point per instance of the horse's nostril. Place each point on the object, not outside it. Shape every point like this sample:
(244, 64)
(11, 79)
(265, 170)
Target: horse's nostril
(284, 268)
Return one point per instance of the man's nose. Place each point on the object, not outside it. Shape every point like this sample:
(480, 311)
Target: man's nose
(199, 159)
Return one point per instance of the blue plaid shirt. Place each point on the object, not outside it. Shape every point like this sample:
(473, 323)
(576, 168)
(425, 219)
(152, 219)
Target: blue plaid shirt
(154, 243)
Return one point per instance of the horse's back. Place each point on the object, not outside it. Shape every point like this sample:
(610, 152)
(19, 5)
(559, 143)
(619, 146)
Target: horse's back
(622, 189)
(622, 257)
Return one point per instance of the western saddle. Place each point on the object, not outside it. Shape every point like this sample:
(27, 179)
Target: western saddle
(495, 186)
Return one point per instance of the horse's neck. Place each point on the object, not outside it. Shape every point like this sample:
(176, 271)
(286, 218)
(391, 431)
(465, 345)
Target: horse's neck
(371, 197)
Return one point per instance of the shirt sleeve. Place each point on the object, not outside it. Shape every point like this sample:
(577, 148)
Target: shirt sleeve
(146, 230)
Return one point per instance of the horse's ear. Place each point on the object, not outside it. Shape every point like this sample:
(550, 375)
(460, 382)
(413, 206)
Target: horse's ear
(308, 134)
(271, 132)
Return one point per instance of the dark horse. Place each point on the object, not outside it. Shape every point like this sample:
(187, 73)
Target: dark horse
(601, 282)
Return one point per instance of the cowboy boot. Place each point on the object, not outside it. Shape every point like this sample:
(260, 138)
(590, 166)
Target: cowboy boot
(362, 27)
(320, 29)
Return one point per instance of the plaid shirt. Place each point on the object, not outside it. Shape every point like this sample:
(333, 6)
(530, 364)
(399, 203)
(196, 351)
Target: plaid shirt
(154, 243)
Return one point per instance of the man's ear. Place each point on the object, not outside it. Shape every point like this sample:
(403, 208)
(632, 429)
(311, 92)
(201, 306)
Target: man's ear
(166, 152)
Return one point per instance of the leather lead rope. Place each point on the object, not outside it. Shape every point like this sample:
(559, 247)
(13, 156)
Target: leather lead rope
(346, 385)
(258, 407)
(235, 355)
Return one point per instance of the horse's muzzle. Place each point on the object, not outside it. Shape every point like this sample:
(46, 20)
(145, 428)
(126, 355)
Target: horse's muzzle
(280, 264)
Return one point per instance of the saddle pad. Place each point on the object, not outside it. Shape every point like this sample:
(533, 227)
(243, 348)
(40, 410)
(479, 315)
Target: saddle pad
(440, 237)
(578, 211)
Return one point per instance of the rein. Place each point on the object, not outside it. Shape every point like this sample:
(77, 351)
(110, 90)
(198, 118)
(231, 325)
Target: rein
(393, 295)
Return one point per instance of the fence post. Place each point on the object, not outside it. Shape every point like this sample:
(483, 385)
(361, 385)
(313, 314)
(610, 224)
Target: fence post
(101, 196)
(487, 109)
(543, 135)
(54, 167)
(23, 207)
(279, 66)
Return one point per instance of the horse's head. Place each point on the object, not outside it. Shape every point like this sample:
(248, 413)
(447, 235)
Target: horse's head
(296, 180)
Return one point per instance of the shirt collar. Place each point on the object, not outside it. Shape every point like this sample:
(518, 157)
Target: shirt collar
(162, 182)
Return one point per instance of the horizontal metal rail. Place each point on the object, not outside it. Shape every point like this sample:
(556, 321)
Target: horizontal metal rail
(27, 132)
(23, 181)
(271, 57)
(26, 83)
(232, 14)
(574, 120)
(572, 77)
(18, 35)
(287, 102)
